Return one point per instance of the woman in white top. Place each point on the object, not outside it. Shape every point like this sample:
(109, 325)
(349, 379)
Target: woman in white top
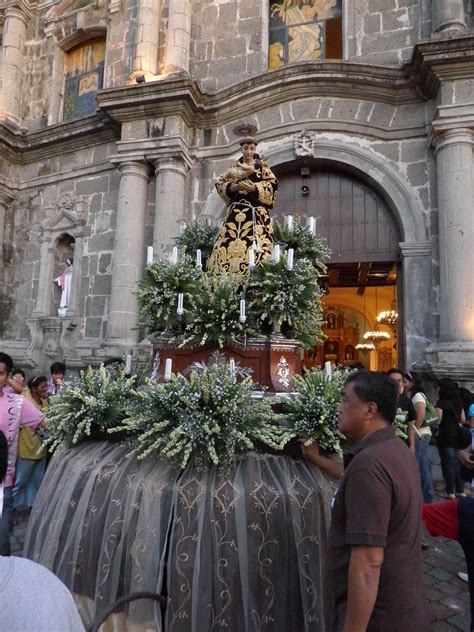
(422, 435)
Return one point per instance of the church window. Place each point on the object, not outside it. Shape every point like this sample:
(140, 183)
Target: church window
(304, 30)
(84, 76)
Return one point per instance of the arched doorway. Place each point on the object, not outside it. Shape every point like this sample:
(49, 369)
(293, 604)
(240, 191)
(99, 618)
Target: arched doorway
(363, 277)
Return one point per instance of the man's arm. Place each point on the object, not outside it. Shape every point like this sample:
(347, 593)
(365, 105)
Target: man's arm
(312, 454)
(362, 586)
(465, 457)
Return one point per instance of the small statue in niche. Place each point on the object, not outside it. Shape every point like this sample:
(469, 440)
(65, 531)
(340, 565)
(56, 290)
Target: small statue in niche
(331, 320)
(65, 282)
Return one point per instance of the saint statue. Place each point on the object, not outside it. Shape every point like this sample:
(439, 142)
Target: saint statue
(65, 281)
(249, 190)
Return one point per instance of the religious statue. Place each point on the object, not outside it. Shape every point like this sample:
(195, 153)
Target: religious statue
(65, 282)
(249, 190)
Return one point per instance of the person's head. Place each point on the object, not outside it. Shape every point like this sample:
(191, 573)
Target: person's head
(38, 386)
(3, 456)
(449, 389)
(19, 376)
(57, 370)
(408, 380)
(248, 147)
(396, 375)
(69, 261)
(369, 403)
(114, 364)
(6, 367)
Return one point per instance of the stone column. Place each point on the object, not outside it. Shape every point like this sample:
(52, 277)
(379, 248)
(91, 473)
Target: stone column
(43, 298)
(5, 200)
(417, 332)
(145, 61)
(13, 56)
(448, 15)
(178, 36)
(169, 204)
(129, 253)
(454, 156)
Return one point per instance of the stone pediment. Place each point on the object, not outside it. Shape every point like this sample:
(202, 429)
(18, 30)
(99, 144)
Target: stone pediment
(69, 213)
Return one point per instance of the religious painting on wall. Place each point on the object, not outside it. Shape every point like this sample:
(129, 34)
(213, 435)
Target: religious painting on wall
(84, 76)
(304, 30)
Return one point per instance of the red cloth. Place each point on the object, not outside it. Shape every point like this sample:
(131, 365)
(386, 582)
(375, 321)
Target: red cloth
(442, 519)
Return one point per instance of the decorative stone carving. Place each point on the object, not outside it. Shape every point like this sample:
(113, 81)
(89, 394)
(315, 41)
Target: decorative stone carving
(304, 143)
(283, 372)
(68, 212)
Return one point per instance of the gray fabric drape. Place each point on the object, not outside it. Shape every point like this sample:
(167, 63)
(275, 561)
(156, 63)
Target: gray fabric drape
(237, 551)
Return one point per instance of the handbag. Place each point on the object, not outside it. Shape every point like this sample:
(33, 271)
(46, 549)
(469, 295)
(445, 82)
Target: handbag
(431, 417)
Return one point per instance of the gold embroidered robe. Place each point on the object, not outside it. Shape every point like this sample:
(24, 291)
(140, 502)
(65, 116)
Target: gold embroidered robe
(247, 223)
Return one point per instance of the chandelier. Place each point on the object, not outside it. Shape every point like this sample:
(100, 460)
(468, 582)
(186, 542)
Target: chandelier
(365, 346)
(376, 337)
(389, 317)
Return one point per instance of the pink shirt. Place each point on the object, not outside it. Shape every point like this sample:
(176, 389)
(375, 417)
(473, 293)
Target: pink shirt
(16, 411)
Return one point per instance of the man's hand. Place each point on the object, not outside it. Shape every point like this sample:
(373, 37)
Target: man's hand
(312, 454)
(362, 586)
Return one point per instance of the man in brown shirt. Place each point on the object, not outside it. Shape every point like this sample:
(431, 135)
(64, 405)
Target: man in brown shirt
(373, 576)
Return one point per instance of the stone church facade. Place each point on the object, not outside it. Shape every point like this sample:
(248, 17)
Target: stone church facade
(116, 117)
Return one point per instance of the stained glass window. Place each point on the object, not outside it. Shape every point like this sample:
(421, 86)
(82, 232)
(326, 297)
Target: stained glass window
(84, 76)
(304, 30)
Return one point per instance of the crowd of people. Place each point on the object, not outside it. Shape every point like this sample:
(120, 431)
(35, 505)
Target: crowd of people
(384, 493)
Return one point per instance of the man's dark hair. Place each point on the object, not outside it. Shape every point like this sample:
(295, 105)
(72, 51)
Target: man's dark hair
(19, 372)
(116, 361)
(395, 370)
(57, 367)
(3, 456)
(370, 386)
(7, 361)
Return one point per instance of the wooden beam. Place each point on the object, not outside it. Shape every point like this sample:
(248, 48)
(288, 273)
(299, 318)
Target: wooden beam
(333, 277)
(364, 268)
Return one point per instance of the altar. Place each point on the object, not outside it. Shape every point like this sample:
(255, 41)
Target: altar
(241, 550)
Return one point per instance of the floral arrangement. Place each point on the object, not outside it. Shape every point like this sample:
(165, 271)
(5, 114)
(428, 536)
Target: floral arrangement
(198, 235)
(216, 314)
(207, 416)
(291, 298)
(311, 411)
(158, 294)
(399, 423)
(305, 245)
(95, 403)
(273, 294)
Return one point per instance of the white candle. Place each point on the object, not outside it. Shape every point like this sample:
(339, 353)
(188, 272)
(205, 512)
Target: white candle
(198, 258)
(180, 309)
(174, 256)
(289, 222)
(168, 366)
(312, 225)
(276, 253)
(289, 263)
(232, 370)
(328, 370)
(242, 317)
(128, 363)
(251, 258)
(149, 255)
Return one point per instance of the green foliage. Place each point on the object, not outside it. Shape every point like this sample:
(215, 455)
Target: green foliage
(216, 315)
(158, 294)
(97, 402)
(312, 409)
(290, 297)
(206, 416)
(306, 246)
(198, 235)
